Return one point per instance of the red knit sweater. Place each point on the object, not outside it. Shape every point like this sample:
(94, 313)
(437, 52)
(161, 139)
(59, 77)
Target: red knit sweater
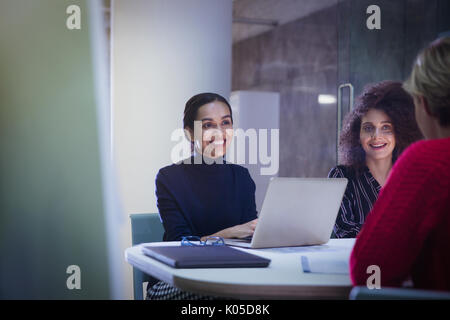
(407, 234)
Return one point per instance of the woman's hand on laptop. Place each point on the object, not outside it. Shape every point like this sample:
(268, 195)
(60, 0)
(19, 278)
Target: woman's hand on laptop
(244, 230)
(239, 231)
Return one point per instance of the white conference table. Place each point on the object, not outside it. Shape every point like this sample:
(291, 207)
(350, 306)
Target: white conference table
(282, 279)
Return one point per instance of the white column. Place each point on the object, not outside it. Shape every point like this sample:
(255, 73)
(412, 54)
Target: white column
(163, 52)
(259, 112)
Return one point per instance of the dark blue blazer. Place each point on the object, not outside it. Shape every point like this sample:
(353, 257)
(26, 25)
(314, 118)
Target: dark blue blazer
(202, 199)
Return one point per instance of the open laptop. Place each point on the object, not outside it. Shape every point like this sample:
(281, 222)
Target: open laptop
(296, 212)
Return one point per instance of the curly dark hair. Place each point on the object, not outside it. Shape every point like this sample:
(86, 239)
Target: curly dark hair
(392, 99)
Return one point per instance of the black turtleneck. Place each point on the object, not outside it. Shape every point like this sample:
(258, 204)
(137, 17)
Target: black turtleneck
(196, 198)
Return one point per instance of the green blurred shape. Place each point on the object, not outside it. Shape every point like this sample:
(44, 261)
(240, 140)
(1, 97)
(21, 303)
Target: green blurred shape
(51, 207)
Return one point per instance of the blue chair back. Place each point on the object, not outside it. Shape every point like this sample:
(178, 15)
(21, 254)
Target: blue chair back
(364, 293)
(145, 227)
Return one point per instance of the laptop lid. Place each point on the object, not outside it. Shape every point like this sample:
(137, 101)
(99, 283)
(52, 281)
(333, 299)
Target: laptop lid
(298, 212)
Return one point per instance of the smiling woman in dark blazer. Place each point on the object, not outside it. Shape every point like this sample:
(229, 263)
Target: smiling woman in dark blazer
(204, 195)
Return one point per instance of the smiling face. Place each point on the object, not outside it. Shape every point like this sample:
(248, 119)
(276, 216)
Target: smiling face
(377, 135)
(217, 129)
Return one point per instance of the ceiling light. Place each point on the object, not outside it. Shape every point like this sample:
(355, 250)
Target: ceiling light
(326, 99)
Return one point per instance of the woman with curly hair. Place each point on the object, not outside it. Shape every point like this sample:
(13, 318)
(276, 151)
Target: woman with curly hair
(374, 135)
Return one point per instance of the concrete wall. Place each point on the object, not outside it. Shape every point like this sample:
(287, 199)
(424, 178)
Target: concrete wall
(315, 54)
(298, 60)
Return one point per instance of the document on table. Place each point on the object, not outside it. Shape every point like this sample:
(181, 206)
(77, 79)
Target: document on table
(327, 264)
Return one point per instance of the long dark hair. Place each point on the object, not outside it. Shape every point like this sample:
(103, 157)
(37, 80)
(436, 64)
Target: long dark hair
(392, 99)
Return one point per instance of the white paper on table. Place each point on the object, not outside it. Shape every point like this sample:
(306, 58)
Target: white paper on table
(327, 264)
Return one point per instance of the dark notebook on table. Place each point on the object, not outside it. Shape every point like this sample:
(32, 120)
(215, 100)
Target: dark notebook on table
(205, 257)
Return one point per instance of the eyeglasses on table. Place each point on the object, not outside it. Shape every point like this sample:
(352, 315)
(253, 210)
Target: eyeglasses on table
(197, 241)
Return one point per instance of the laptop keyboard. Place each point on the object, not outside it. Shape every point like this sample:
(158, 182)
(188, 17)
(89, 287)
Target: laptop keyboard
(247, 239)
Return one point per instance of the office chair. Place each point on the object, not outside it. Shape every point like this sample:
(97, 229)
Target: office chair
(145, 227)
(364, 293)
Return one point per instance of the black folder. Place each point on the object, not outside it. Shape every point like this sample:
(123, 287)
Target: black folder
(205, 257)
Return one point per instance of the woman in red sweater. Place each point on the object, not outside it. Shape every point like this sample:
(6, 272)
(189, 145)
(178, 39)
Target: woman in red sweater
(407, 234)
